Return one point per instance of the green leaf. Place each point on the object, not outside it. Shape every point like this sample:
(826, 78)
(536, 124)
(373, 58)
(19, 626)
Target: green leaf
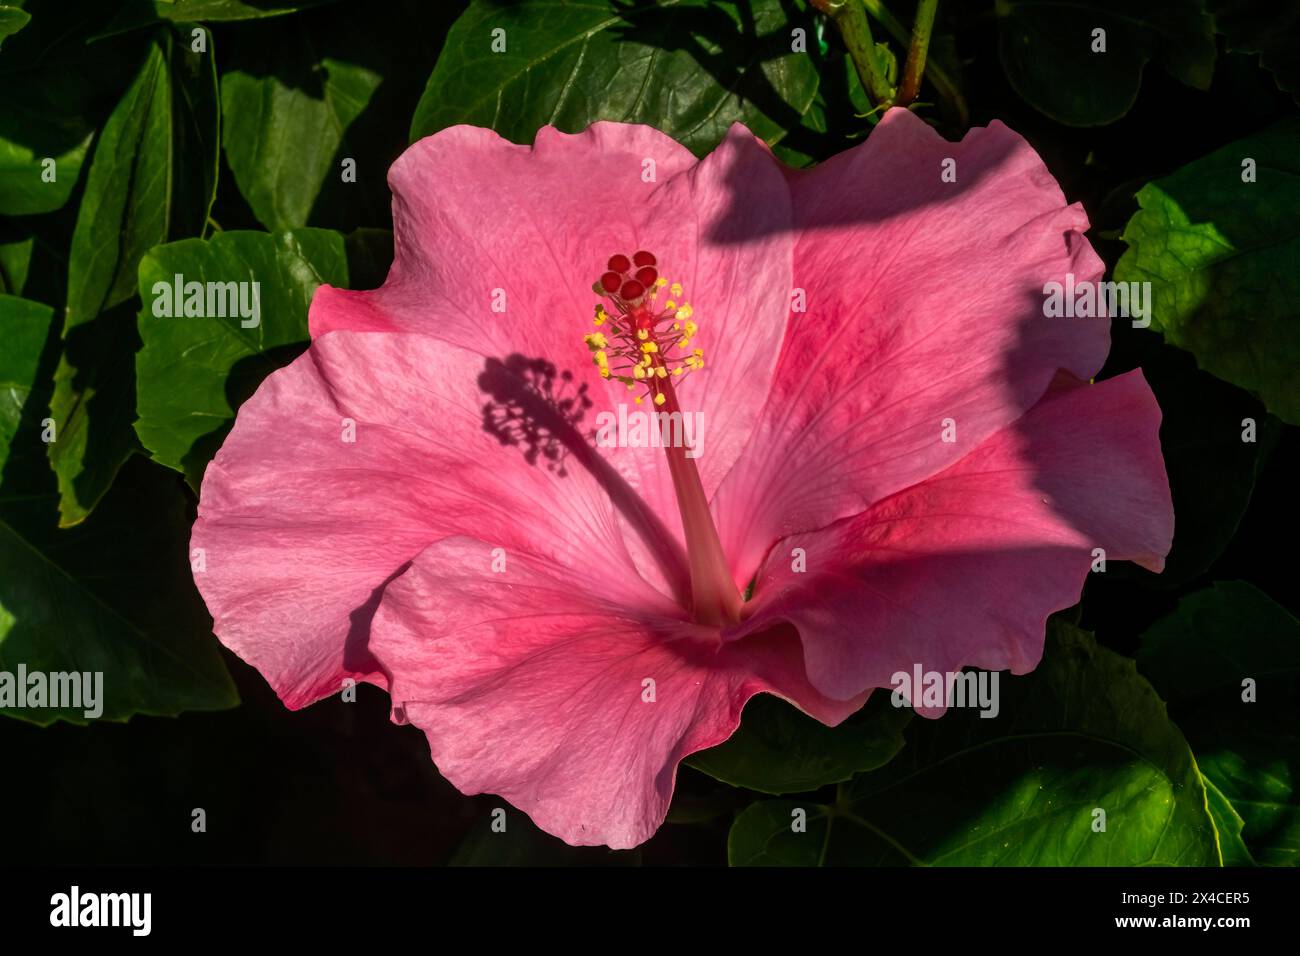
(1046, 47)
(138, 13)
(1228, 824)
(126, 206)
(1082, 732)
(778, 749)
(153, 175)
(25, 328)
(288, 107)
(15, 259)
(196, 130)
(34, 255)
(194, 372)
(1223, 260)
(781, 833)
(113, 595)
(49, 111)
(1198, 657)
(1267, 28)
(306, 94)
(688, 67)
(12, 20)
(72, 605)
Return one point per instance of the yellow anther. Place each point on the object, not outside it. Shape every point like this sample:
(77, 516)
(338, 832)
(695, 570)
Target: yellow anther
(660, 282)
(676, 289)
(661, 372)
(649, 347)
(670, 304)
(601, 359)
(638, 399)
(638, 372)
(659, 398)
(642, 334)
(596, 340)
(691, 329)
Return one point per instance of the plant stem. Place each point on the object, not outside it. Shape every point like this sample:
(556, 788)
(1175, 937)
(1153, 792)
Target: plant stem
(945, 85)
(850, 18)
(915, 67)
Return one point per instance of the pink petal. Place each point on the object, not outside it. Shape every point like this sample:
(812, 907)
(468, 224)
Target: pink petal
(924, 303)
(531, 684)
(964, 568)
(301, 529)
(474, 214)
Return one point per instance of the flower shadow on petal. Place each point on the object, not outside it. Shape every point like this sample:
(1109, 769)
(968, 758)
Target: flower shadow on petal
(530, 408)
(897, 171)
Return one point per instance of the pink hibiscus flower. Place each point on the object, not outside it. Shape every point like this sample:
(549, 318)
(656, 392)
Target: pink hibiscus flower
(911, 469)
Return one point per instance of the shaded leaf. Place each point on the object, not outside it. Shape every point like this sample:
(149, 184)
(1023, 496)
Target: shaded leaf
(12, 19)
(303, 96)
(138, 13)
(1082, 732)
(1265, 27)
(1212, 471)
(113, 595)
(48, 110)
(688, 67)
(1198, 657)
(1046, 47)
(778, 749)
(1223, 260)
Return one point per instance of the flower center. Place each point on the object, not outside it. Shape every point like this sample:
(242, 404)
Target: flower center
(645, 344)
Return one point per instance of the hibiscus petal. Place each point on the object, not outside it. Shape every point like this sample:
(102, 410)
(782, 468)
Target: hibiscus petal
(476, 216)
(301, 528)
(531, 684)
(924, 303)
(963, 569)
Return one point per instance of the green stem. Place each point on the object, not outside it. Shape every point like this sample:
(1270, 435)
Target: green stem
(850, 18)
(943, 84)
(915, 67)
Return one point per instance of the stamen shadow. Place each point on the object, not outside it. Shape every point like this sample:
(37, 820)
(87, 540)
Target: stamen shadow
(530, 411)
